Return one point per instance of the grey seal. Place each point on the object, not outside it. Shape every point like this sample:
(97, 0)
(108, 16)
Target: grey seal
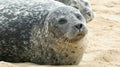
(45, 32)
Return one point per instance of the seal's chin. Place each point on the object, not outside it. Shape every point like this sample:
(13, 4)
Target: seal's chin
(77, 37)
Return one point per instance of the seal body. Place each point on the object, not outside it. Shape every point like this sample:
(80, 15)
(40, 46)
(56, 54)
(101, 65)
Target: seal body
(41, 31)
(83, 5)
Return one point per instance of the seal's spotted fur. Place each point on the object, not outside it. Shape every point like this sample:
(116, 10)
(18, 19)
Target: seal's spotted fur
(41, 31)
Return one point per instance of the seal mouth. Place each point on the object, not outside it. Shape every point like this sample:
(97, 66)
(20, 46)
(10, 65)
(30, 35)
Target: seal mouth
(77, 37)
(79, 34)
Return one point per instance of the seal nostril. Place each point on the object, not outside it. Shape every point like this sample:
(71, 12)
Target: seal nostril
(79, 26)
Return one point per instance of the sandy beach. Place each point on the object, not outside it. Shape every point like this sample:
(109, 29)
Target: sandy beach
(103, 48)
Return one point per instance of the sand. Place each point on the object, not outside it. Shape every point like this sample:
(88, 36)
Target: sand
(103, 49)
(104, 35)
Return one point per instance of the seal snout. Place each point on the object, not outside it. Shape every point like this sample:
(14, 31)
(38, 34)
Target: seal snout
(79, 26)
(81, 31)
(90, 15)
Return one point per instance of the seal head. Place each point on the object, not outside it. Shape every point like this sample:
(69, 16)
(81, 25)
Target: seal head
(67, 25)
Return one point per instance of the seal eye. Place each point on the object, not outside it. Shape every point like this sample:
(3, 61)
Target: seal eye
(75, 7)
(86, 3)
(62, 21)
(78, 16)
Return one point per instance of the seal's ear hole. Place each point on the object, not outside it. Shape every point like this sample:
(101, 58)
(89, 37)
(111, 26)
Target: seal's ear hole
(78, 16)
(62, 21)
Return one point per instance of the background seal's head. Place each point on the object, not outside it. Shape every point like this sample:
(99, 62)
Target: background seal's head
(86, 9)
(83, 6)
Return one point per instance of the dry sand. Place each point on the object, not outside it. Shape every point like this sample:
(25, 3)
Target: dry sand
(103, 49)
(104, 35)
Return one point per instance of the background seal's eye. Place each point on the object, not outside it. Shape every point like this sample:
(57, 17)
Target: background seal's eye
(62, 21)
(78, 16)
